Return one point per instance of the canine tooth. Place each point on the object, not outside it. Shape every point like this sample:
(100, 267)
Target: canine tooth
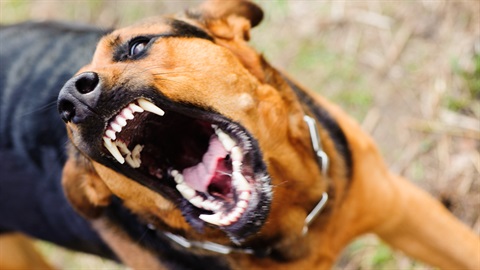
(186, 191)
(112, 148)
(212, 219)
(236, 154)
(135, 108)
(121, 120)
(174, 173)
(116, 127)
(227, 142)
(127, 113)
(111, 134)
(150, 107)
(240, 182)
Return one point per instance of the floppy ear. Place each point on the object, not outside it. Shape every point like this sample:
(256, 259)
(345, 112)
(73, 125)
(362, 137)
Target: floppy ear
(229, 23)
(228, 19)
(87, 193)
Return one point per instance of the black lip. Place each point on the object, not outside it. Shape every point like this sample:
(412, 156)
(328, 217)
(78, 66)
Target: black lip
(254, 217)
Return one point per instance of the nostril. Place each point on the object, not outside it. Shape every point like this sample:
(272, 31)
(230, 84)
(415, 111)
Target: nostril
(66, 110)
(87, 82)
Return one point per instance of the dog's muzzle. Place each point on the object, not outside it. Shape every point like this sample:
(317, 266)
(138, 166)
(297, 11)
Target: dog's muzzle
(78, 96)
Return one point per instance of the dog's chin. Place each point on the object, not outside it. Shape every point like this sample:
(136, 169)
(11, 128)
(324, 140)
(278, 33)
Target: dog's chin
(209, 166)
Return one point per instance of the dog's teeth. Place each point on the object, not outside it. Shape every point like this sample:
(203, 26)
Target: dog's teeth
(227, 142)
(196, 201)
(136, 151)
(150, 107)
(112, 148)
(242, 204)
(178, 177)
(212, 219)
(236, 166)
(186, 191)
(215, 206)
(236, 154)
(111, 134)
(245, 195)
(135, 108)
(121, 120)
(233, 216)
(116, 127)
(241, 184)
(206, 205)
(133, 163)
(225, 221)
(122, 147)
(127, 114)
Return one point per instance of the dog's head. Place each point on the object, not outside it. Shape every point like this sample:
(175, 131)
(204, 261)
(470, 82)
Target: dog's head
(180, 118)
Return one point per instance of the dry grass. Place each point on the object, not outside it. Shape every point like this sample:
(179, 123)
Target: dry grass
(404, 69)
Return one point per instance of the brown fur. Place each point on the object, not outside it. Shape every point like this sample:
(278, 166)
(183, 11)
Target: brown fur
(247, 90)
(17, 252)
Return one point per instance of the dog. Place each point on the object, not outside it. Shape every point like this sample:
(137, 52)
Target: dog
(180, 121)
(252, 171)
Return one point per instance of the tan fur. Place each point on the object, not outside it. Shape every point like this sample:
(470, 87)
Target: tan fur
(17, 252)
(247, 90)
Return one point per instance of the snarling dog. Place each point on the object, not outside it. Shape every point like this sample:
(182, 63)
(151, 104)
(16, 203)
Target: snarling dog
(181, 131)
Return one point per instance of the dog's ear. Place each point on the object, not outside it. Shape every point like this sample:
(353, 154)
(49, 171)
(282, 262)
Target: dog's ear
(87, 193)
(228, 19)
(229, 23)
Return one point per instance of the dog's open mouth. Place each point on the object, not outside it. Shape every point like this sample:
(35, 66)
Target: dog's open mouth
(197, 158)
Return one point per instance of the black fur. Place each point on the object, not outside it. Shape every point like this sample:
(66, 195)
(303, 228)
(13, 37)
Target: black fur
(36, 59)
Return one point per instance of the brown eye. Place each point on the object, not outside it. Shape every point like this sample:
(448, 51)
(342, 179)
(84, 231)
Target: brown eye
(137, 47)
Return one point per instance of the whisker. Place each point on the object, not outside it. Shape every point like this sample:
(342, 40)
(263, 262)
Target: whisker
(42, 108)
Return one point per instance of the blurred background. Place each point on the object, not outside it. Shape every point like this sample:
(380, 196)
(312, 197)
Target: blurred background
(408, 71)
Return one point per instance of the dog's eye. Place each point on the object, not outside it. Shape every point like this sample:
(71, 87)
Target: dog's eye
(137, 47)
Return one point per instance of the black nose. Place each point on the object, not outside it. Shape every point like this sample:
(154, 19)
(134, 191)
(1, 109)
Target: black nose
(78, 96)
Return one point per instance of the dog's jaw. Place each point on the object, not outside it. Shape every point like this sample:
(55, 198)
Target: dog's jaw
(206, 164)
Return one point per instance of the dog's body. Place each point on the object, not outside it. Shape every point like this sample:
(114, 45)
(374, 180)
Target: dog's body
(35, 60)
(166, 95)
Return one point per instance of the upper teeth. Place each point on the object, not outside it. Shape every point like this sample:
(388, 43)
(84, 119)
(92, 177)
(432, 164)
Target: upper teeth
(116, 126)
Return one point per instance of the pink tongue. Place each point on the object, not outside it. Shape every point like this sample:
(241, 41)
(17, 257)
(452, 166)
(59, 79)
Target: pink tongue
(199, 176)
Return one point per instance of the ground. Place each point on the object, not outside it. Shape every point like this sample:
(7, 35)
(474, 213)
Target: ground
(408, 71)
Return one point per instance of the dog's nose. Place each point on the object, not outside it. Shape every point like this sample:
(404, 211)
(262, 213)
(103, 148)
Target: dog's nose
(78, 96)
